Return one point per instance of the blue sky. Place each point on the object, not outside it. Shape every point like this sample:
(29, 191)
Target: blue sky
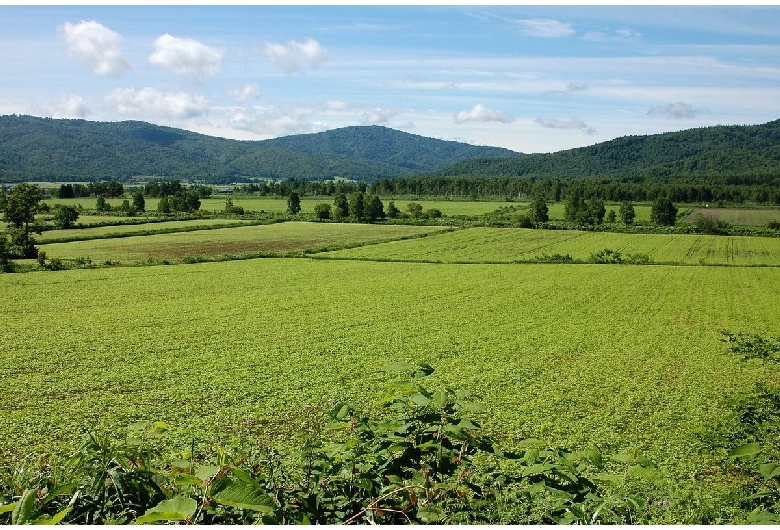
(528, 78)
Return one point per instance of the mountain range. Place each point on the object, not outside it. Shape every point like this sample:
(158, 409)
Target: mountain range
(46, 149)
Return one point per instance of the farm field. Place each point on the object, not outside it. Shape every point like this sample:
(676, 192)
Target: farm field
(129, 229)
(505, 245)
(736, 216)
(619, 356)
(257, 239)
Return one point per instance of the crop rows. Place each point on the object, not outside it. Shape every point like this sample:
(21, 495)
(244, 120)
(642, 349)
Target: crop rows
(263, 239)
(131, 229)
(619, 356)
(506, 245)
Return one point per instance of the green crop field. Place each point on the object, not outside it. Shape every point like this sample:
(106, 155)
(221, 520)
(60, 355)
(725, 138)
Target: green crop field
(130, 229)
(618, 356)
(736, 216)
(505, 245)
(266, 239)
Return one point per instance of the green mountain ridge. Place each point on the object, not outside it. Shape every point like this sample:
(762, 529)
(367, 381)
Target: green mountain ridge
(737, 153)
(48, 149)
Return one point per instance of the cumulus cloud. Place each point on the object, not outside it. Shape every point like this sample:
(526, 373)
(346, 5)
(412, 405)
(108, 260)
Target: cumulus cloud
(378, 116)
(186, 57)
(479, 113)
(248, 91)
(676, 111)
(573, 123)
(291, 56)
(95, 46)
(272, 121)
(545, 27)
(151, 101)
(70, 106)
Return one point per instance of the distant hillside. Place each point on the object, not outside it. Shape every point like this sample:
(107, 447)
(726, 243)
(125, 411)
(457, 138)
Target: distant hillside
(58, 150)
(723, 152)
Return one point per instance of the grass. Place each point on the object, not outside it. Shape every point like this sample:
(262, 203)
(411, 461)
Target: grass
(737, 216)
(506, 245)
(272, 239)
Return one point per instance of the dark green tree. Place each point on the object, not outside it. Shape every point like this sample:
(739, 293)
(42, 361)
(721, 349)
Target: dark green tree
(373, 208)
(356, 206)
(322, 211)
(611, 216)
(293, 203)
(663, 212)
(340, 206)
(574, 205)
(392, 211)
(19, 208)
(627, 214)
(65, 216)
(164, 205)
(101, 205)
(415, 210)
(596, 211)
(139, 204)
(539, 211)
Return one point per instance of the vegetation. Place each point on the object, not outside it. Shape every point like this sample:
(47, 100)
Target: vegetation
(67, 150)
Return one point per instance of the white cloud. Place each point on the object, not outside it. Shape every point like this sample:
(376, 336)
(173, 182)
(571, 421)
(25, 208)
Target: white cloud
(186, 57)
(271, 122)
(153, 102)
(96, 46)
(70, 106)
(628, 33)
(544, 27)
(289, 57)
(479, 113)
(378, 116)
(251, 90)
(573, 123)
(676, 111)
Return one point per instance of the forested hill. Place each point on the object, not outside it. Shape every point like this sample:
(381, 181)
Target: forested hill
(34, 148)
(734, 154)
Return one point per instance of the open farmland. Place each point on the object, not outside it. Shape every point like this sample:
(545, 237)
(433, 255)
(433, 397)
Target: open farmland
(507, 245)
(622, 357)
(737, 216)
(271, 239)
(123, 230)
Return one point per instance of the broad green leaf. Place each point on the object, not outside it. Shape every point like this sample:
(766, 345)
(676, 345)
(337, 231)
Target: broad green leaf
(425, 368)
(25, 508)
(419, 400)
(440, 398)
(8, 507)
(769, 470)
(245, 496)
(182, 479)
(472, 406)
(430, 514)
(243, 476)
(176, 509)
(206, 472)
(610, 478)
(531, 442)
(764, 517)
(467, 424)
(745, 450)
(342, 412)
(398, 367)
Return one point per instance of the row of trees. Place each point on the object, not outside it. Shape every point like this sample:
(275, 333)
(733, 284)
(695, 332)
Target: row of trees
(554, 190)
(91, 189)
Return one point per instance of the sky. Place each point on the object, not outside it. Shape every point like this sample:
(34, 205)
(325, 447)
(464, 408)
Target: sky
(527, 78)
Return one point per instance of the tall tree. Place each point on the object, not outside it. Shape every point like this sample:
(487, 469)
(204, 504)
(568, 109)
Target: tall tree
(539, 211)
(627, 214)
(293, 203)
(663, 212)
(19, 208)
(356, 206)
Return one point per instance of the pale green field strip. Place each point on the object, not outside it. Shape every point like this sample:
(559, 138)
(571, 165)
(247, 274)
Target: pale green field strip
(736, 216)
(509, 245)
(616, 356)
(280, 238)
(129, 229)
